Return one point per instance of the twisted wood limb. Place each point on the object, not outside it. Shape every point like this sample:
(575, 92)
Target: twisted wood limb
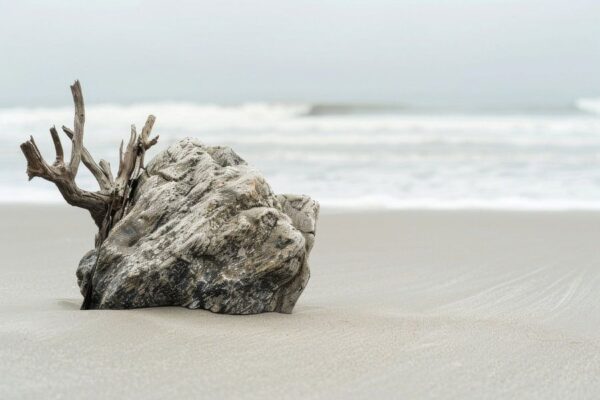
(108, 205)
(63, 174)
(103, 177)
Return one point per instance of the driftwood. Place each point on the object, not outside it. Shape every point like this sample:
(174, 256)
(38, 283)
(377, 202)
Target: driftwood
(109, 204)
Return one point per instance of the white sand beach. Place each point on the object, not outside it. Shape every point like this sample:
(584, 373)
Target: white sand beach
(410, 304)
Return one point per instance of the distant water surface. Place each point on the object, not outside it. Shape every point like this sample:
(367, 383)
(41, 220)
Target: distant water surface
(357, 157)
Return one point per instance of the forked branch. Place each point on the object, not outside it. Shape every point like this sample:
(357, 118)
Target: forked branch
(63, 174)
(108, 204)
(104, 178)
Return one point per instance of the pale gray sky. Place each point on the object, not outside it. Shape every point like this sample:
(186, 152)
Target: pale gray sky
(523, 52)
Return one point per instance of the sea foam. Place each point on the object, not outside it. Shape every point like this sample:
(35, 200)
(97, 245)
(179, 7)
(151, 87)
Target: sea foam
(351, 157)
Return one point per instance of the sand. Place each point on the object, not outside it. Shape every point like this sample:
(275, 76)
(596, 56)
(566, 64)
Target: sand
(411, 304)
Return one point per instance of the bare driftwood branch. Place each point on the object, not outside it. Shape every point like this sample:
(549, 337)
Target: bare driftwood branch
(79, 120)
(145, 141)
(105, 166)
(57, 146)
(101, 176)
(108, 205)
(62, 174)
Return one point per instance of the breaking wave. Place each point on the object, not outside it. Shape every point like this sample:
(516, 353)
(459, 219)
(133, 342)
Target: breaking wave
(590, 105)
(352, 156)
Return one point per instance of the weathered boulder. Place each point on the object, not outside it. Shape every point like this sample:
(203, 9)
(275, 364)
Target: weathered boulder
(204, 230)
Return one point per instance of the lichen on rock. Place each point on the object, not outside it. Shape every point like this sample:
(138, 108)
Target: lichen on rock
(204, 230)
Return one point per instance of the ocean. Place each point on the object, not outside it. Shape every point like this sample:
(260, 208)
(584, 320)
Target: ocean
(351, 156)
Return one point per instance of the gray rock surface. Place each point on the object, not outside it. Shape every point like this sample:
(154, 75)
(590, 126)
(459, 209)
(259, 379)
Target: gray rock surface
(204, 231)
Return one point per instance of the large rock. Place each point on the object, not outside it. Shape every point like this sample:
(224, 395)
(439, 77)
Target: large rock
(204, 231)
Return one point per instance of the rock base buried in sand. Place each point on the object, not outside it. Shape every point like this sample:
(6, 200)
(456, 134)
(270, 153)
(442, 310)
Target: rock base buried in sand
(203, 230)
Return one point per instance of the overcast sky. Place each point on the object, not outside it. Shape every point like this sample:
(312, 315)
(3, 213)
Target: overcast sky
(444, 52)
